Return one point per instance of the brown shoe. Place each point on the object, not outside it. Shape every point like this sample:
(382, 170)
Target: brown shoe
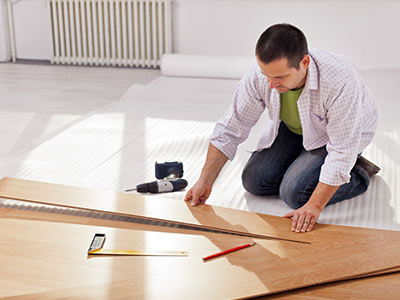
(368, 166)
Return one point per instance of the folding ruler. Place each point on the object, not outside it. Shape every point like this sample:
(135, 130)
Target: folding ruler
(96, 248)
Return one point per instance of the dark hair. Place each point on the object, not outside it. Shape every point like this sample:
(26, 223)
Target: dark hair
(282, 41)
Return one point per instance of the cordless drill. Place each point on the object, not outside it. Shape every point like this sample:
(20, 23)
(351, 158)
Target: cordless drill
(161, 186)
(170, 174)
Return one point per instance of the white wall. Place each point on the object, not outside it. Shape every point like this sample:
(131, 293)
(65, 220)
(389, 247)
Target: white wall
(364, 30)
(32, 29)
(4, 42)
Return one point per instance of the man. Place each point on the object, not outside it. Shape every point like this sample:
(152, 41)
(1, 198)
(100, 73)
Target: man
(323, 116)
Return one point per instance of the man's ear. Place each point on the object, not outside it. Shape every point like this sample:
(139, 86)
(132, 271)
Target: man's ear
(305, 62)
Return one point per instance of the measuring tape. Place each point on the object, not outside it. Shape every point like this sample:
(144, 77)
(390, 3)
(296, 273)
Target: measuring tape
(96, 248)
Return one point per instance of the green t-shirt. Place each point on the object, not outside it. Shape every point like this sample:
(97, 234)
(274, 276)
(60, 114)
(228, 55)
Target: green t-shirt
(289, 112)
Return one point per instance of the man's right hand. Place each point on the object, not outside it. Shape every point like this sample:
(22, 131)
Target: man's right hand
(199, 193)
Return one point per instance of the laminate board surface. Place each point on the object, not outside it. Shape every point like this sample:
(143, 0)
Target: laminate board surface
(155, 208)
(178, 211)
(333, 252)
(380, 287)
(384, 286)
(67, 240)
(56, 264)
(56, 260)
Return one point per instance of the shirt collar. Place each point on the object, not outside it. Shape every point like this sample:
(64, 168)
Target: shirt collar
(312, 82)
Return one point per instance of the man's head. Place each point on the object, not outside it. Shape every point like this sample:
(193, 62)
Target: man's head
(282, 55)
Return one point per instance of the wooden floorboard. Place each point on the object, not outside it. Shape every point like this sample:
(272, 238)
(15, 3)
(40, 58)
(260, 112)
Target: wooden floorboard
(334, 253)
(384, 286)
(152, 208)
(109, 290)
(380, 287)
(58, 250)
(39, 100)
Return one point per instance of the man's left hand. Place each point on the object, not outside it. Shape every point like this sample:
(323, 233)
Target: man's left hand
(304, 218)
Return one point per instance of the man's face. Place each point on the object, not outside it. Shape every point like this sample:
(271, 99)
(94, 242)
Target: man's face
(282, 77)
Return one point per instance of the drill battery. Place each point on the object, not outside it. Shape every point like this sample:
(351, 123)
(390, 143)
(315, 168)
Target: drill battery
(169, 169)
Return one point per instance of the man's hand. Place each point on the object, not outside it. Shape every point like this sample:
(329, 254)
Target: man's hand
(199, 193)
(304, 218)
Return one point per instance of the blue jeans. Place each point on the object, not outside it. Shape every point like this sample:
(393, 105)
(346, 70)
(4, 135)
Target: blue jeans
(288, 170)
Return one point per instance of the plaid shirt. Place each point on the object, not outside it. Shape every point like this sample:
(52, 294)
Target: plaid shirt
(336, 109)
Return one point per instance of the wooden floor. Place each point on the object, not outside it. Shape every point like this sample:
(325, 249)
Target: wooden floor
(32, 93)
(271, 266)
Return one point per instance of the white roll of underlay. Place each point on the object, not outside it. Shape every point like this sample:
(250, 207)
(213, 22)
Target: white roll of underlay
(187, 65)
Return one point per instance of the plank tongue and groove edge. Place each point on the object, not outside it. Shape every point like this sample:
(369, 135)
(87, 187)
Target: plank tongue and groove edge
(151, 208)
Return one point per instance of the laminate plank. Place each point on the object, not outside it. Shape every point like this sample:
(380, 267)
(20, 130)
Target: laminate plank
(73, 219)
(58, 243)
(307, 264)
(39, 256)
(153, 208)
(380, 287)
(384, 286)
(178, 211)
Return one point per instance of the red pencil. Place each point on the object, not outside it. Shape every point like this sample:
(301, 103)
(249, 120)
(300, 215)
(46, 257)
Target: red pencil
(228, 251)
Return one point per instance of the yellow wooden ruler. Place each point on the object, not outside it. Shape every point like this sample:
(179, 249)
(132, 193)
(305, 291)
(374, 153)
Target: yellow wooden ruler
(137, 252)
(96, 248)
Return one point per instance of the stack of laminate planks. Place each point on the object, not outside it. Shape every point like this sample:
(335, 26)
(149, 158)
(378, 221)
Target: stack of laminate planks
(45, 254)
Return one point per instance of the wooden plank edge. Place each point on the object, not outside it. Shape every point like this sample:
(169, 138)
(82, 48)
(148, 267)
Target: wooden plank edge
(72, 292)
(337, 280)
(222, 230)
(12, 185)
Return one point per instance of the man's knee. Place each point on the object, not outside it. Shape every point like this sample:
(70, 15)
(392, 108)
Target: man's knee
(301, 178)
(292, 194)
(254, 181)
(249, 181)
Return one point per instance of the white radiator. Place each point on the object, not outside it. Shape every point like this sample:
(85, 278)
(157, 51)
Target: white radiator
(110, 32)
